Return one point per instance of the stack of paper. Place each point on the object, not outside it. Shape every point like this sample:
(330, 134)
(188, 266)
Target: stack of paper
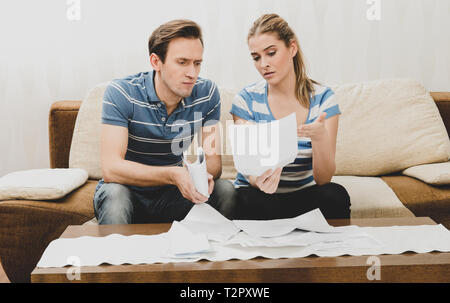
(310, 229)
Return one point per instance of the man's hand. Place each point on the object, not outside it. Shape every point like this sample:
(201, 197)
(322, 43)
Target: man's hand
(268, 181)
(182, 179)
(316, 130)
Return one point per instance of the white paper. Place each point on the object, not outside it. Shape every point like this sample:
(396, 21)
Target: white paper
(310, 221)
(198, 172)
(303, 238)
(259, 147)
(203, 218)
(184, 243)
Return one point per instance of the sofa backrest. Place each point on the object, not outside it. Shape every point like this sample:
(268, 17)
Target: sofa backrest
(88, 133)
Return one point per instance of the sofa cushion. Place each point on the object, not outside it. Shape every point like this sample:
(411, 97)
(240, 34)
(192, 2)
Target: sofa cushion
(422, 199)
(371, 197)
(85, 147)
(436, 173)
(226, 98)
(387, 126)
(41, 184)
(27, 227)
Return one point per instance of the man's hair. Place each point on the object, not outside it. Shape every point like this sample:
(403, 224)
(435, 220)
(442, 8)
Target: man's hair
(161, 37)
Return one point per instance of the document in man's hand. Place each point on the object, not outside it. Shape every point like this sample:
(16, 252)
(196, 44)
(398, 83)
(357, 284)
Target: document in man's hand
(258, 147)
(197, 171)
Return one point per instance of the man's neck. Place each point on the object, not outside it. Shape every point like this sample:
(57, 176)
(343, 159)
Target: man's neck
(164, 94)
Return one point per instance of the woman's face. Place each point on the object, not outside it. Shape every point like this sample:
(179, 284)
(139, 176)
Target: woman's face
(272, 58)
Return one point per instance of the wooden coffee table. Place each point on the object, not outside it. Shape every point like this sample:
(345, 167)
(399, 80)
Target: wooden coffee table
(407, 267)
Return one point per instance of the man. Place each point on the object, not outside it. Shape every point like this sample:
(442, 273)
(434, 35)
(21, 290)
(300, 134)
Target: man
(148, 119)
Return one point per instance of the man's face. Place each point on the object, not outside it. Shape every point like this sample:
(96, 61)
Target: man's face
(181, 68)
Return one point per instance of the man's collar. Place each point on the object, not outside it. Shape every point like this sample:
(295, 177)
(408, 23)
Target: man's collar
(150, 87)
(152, 97)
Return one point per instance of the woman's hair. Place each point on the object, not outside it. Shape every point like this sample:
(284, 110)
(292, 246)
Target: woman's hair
(159, 40)
(272, 23)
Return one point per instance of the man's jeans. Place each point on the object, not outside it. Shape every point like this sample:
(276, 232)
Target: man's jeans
(119, 204)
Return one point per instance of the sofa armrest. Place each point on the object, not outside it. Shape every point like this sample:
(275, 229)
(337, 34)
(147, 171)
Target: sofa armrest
(61, 124)
(442, 100)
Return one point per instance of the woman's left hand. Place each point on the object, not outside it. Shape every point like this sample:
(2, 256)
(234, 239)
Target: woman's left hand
(316, 130)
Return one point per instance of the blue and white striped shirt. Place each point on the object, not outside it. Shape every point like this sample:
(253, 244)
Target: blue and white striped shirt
(251, 104)
(154, 137)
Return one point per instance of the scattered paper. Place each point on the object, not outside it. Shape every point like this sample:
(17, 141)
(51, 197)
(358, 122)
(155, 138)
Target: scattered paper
(303, 238)
(184, 243)
(310, 221)
(203, 218)
(198, 237)
(259, 147)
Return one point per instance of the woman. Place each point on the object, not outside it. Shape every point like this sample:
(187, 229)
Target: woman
(304, 184)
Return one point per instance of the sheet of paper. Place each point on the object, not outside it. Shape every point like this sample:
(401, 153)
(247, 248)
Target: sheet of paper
(261, 146)
(113, 249)
(310, 221)
(184, 243)
(203, 218)
(303, 238)
(198, 172)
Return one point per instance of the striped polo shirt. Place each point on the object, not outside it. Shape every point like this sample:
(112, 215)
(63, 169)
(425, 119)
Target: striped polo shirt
(154, 137)
(251, 104)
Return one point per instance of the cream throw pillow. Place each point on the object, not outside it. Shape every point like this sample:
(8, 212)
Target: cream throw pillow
(436, 173)
(41, 184)
(387, 126)
(85, 148)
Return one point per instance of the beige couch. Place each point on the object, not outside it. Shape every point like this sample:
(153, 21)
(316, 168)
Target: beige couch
(381, 190)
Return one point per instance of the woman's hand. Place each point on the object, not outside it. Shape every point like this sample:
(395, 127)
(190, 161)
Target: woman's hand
(268, 181)
(316, 130)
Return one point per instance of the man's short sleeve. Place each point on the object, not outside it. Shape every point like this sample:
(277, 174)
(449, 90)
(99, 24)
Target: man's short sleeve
(116, 108)
(212, 116)
(329, 104)
(241, 108)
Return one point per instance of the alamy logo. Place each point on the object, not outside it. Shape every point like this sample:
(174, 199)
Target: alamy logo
(374, 272)
(374, 10)
(73, 12)
(74, 272)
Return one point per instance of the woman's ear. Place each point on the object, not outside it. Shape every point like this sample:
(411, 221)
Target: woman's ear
(293, 47)
(155, 62)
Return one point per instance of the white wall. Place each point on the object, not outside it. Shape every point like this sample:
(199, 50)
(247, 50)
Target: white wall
(45, 57)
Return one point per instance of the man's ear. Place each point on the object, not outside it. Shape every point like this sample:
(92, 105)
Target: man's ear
(155, 62)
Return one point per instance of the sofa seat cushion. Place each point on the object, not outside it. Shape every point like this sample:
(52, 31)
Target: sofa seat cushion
(422, 199)
(27, 227)
(370, 197)
(77, 203)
